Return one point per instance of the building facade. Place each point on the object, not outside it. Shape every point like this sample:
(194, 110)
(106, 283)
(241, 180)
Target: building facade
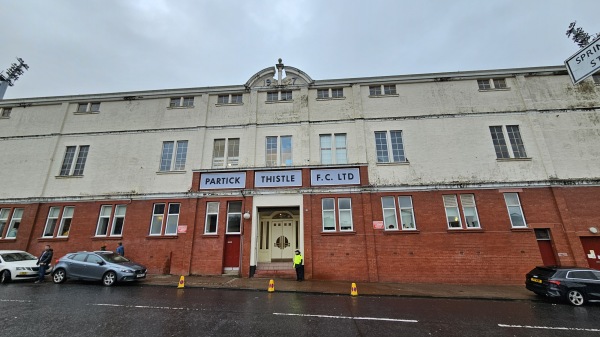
(463, 177)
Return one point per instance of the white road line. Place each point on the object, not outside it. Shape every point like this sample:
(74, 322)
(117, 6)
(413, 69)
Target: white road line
(546, 327)
(140, 306)
(347, 317)
(20, 301)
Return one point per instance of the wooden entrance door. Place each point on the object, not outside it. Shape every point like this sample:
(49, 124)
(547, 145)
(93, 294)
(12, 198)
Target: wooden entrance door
(232, 251)
(545, 243)
(283, 240)
(591, 247)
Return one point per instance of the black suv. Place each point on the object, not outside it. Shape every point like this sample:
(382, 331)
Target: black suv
(577, 285)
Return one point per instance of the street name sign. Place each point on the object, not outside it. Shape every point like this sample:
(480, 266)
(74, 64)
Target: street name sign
(585, 62)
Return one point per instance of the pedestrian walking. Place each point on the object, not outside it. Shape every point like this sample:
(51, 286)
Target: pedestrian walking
(44, 262)
(121, 249)
(299, 266)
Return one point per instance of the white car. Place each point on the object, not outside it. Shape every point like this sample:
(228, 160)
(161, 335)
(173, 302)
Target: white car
(18, 265)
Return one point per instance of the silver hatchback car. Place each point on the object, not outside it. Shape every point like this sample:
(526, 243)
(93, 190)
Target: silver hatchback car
(104, 266)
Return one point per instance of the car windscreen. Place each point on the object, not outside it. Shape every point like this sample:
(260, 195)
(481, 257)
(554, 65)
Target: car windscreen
(543, 272)
(114, 258)
(14, 257)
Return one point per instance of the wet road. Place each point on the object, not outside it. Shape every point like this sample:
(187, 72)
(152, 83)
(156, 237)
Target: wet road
(89, 309)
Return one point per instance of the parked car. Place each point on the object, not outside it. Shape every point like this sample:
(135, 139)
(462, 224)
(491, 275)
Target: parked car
(104, 266)
(18, 265)
(574, 284)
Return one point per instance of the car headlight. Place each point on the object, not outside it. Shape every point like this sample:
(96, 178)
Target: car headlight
(127, 271)
(21, 268)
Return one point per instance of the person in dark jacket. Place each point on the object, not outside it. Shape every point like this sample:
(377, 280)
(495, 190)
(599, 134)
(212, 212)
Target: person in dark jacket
(121, 249)
(299, 266)
(44, 262)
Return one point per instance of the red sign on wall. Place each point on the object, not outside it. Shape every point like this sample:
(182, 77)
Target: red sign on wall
(181, 229)
(377, 224)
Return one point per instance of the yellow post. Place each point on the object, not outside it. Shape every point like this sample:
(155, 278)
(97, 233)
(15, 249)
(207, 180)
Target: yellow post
(271, 286)
(181, 282)
(354, 291)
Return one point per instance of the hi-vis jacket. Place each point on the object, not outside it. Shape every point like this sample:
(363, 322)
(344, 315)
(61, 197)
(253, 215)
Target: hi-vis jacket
(297, 260)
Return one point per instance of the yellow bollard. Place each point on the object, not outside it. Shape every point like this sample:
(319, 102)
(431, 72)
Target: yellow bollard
(271, 286)
(354, 291)
(181, 282)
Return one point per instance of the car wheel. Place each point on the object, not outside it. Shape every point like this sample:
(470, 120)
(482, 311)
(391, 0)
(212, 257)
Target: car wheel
(575, 297)
(59, 276)
(5, 277)
(109, 278)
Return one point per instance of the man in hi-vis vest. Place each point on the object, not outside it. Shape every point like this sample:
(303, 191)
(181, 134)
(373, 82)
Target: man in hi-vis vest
(299, 266)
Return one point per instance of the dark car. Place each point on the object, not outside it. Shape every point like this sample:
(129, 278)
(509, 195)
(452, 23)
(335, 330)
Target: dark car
(104, 266)
(574, 284)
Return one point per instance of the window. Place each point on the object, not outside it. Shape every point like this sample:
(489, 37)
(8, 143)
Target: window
(344, 214)
(407, 216)
(382, 90)
(118, 220)
(513, 204)
(3, 219)
(212, 218)
(54, 219)
(279, 151)
(234, 217)
(158, 216)
(499, 134)
(6, 112)
(333, 149)
(492, 84)
(395, 144)
(15, 222)
(88, 107)
(182, 102)
(230, 99)
(595, 78)
(469, 211)
(330, 93)
(273, 96)
(226, 152)
(67, 168)
(173, 159)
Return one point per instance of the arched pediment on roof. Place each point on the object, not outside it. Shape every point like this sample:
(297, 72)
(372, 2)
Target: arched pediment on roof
(279, 76)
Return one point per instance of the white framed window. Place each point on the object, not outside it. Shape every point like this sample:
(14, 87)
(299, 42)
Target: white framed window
(181, 102)
(230, 99)
(515, 212)
(452, 213)
(278, 151)
(51, 221)
(15, 222)
(407, 215)
(470, 210)
(211, 224)
(158, 219)
(234, 217)
(67, 168)
(330, 93)
(340, 220)
(88, 107)
(382, 90)
(115, 227)
(333, 149)
(499, 134)
(492, 84)
(389, 149)
(173, 156)
(4, 212)
(276, 96)
(65, 222)
(5, 112)
(226, 152)
(388, 205)
(596, 79)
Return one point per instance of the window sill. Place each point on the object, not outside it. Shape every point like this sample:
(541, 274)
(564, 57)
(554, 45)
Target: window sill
(384, 96)
(67, 177)
(400, 231)
(49, 239)
(396, 163)
(282, 101)
(228, 104)
(523, 229)
(465, 230)
(171, 172)
(86, 112)
(338, 233)
(98, 238)
(4, 117)
(331, 99)
(210, 236)
(8, 239)
(514, 159)
(179, 107)
(494, 89)
(160, 237)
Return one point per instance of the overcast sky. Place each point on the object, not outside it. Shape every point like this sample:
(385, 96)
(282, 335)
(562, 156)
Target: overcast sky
(98, 46)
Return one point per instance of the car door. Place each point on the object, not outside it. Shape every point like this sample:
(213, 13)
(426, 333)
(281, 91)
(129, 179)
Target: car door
(594, 287)
(95, 267)
(75, 265)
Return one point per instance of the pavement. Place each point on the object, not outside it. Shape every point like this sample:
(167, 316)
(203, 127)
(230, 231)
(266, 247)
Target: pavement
(493, 292)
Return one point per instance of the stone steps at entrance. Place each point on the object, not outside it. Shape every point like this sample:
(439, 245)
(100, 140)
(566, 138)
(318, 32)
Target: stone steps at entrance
(276, 273)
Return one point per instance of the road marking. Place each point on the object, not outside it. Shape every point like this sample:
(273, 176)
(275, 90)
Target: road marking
(546, 327)
(348, 317)
(140, 306)
(20, 301)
